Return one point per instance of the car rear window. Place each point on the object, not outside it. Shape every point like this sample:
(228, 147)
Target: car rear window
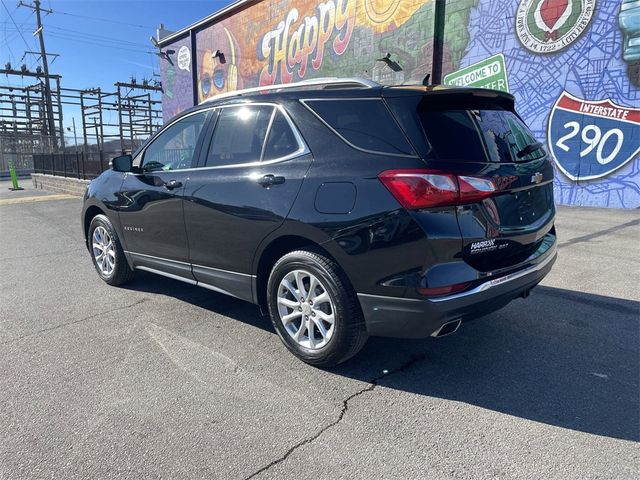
(475, 135)
(366, 124)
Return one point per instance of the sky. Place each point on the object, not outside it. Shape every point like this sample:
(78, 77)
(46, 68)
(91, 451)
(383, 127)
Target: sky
(99, 42)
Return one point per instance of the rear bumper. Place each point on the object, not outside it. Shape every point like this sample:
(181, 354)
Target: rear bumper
(417, 318)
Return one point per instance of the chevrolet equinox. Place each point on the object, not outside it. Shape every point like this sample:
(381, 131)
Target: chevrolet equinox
(342, 207)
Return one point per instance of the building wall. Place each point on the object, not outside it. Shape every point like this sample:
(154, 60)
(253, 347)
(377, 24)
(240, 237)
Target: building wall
(176, 78)
(553, 89)
(563, 61)
(285, 41)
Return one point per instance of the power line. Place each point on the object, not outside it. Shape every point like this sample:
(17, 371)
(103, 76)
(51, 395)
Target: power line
(59, 36)
(146, 27)
(14, 22)
(83, 35)
(9, 38)
(4, 22)
(7, 42)
(94, 36)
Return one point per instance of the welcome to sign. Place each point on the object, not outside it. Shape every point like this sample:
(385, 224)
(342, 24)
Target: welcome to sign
(488, 73)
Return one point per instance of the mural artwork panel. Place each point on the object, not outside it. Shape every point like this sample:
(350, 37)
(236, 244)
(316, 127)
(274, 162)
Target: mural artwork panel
(572, 65)
(575, 75)
(282, 42)
(177, 81)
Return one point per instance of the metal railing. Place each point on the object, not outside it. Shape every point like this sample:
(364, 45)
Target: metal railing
(86, 166)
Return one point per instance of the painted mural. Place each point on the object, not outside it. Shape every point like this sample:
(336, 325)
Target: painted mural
(575, 79)
(176, 78)
(282, 42)
(573, 66)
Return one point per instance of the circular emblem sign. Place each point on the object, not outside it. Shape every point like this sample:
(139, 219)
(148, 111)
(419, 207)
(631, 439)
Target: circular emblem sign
(547, 26)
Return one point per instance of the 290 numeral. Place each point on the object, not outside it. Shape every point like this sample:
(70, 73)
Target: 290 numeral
(593, 138)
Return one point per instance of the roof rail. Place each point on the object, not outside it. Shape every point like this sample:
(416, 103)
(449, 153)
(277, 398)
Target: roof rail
(313, 82)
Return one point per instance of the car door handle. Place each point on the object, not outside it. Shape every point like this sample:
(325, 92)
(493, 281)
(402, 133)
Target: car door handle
(171, 184)
(268, 180)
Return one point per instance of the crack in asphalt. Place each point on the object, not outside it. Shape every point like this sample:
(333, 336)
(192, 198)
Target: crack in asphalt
(345, 406)
(84, 319)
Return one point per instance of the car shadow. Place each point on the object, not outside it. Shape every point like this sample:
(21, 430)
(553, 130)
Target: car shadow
(201, 297)
(563, 358)
(560, 357)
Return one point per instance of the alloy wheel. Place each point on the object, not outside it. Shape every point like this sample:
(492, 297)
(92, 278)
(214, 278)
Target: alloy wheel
(306, 309)
(103, 250)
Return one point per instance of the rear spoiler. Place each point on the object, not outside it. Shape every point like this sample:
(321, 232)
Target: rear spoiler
(454, 98)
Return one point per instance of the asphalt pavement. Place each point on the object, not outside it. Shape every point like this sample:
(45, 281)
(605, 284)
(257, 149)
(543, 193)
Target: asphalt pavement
(160, 379)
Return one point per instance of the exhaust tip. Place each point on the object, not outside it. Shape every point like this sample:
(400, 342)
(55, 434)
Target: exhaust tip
(447, 329)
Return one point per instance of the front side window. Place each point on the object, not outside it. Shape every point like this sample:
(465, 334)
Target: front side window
(174, 148)
(239, 135)
(366, 124)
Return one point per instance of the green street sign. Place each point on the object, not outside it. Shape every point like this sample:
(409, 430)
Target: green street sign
(488, 73)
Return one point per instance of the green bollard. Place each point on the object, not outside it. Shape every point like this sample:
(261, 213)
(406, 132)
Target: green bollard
(14, 177)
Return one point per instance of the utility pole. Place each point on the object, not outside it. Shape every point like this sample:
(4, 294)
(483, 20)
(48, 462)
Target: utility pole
(75, 137)
(45, 67)
(438, 42)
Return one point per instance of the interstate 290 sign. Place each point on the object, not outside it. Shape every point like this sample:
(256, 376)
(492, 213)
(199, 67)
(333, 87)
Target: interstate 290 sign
(592, 139)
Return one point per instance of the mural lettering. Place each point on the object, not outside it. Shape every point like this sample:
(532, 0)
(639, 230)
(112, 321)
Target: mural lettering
(288, 46)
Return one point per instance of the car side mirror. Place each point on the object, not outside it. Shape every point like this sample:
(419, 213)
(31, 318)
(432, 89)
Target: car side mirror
(122, 163)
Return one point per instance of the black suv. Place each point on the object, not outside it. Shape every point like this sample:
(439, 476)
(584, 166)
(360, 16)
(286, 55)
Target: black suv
(343, 207)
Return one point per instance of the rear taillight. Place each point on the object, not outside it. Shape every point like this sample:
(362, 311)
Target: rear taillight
(473, 189)
(427, 188)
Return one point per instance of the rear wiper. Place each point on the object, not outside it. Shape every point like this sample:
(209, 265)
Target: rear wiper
(532, 147)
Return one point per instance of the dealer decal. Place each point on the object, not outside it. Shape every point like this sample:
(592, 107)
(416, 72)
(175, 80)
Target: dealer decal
(486, 246)
(592, 139)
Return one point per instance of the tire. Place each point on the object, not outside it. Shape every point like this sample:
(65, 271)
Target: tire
(120, 272)
(342, 338)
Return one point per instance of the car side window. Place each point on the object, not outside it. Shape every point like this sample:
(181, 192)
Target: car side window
(281, 141)
(173, 149)
(239, 135)
(364, 123)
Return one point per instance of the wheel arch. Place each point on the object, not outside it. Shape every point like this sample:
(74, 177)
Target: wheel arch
(271, 253)
(89, 215)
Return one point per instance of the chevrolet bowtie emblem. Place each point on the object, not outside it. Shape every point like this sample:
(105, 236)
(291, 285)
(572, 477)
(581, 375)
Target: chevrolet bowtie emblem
(536, 178)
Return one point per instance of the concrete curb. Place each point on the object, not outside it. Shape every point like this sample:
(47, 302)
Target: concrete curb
(52, 183)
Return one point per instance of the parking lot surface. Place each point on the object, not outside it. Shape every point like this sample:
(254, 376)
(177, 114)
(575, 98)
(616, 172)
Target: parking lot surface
(160, 379)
